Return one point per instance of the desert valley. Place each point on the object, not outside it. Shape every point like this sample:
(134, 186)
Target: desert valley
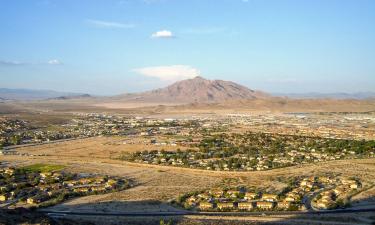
(198, 151)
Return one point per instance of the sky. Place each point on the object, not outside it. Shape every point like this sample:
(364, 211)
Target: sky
(108, 47)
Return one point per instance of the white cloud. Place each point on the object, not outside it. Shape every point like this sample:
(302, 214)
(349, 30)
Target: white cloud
(162, 34)
(169, 73)
(109, 24)
(18, 63)
(11, 63)
(54, 62)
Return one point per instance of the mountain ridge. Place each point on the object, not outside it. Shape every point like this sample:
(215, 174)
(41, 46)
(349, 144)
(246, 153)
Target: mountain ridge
(20, 94)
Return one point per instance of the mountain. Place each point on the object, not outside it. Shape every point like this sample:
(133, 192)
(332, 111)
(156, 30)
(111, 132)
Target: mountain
(79, 96)
(29, 94)
(196, 90)
(339, 95)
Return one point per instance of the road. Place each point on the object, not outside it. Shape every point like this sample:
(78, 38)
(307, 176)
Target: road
(185, 213)
(308, 199)
(13, 147)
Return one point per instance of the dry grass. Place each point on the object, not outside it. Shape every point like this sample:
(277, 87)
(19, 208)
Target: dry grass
(97, 147)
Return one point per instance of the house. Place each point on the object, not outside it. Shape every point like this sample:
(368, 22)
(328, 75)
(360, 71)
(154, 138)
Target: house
(100, 180)
(339, 190)
(283, 205)
(269, 197)
(265, 205)
(354, 186)
(191, 200)
(205, 205)
(348, 181)
(81, 190)
(307, 183)
(36, 199)
(3, 198)
(245, 205)
(204, 195)
(325, 204)
(98, 188)
(233, 193)
(225, 205)
(10, 171)
(70, 183)
(44, 175)
(217, 193)
(85, 181)
(111, 183)
(328, 194)
(251, 195)
(4, 188)
(291, 198)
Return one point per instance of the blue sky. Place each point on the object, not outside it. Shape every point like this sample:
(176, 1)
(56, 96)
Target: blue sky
(109, 47)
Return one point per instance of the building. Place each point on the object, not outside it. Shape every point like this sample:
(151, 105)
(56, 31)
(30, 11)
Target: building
(245, 205)
(3, 198)
(251, 195)
(217, 193)
(225, 205)
(283, 205)
(205, 205)
(269, 197)
(36, 199)
(265, 205)
(233, 193)
(10, 171)
(325, 204)
(81, 190)
(354, 186)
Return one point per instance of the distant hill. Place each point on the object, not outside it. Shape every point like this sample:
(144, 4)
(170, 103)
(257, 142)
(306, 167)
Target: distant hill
(316, 95)
(196, 90)
(29, 94)
(80, 96)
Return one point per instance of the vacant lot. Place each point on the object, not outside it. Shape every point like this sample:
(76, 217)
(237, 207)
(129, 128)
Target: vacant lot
(96, 148)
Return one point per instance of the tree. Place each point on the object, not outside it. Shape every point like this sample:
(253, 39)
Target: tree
(15, 140)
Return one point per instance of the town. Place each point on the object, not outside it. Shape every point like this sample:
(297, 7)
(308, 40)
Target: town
(16, 131)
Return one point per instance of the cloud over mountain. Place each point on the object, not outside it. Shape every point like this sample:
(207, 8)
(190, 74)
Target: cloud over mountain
(169, 73)
(162, 34)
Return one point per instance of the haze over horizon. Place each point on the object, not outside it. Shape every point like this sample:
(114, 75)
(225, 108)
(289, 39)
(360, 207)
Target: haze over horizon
(121, 46)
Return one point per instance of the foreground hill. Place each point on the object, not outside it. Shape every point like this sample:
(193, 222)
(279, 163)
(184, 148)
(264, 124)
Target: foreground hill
(196, 90)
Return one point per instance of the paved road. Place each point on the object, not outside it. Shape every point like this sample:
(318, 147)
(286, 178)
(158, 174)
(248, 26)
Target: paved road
(183, 213)
(13, 147)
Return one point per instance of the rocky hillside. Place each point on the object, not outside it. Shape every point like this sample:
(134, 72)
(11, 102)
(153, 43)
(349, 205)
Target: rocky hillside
(197, 90)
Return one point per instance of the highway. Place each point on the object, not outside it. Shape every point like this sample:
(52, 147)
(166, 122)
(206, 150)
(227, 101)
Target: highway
(184, 213)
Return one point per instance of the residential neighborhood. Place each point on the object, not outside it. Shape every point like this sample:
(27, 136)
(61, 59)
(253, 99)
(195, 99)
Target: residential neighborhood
(254, 151)
(308, 193)
(29, 186)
